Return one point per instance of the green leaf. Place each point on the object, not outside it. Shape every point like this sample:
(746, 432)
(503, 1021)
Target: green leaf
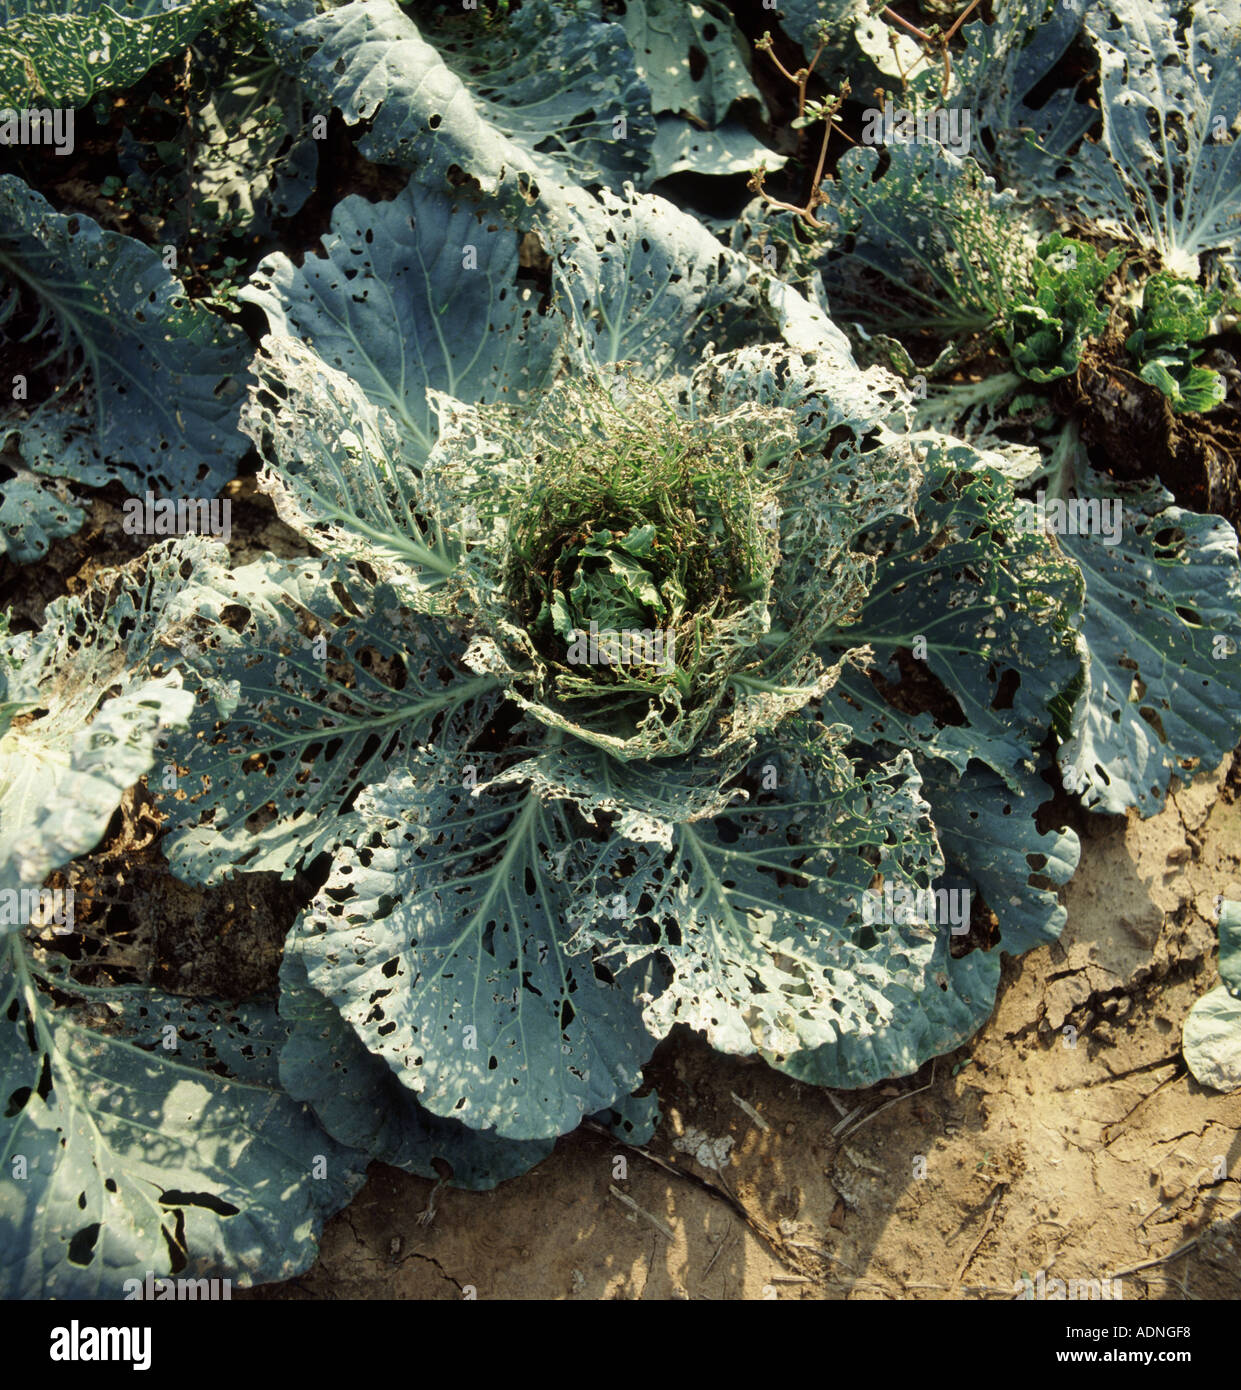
(441, 941)
(146, 385)
(154, 1137)
(1048, 324)
(414, 293)
(1162, 628)
(360, 1102)
(1191, 390)
(58, 54)
(310, 680)
(1211, 1040)
(94, 710)
(1174, 316)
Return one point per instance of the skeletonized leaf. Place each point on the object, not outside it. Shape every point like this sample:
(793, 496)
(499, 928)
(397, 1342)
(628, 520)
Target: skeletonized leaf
(995, 604)
(760, 910)
(84, 712)
(53, 54)
(1167, 168)
(310, 680)
(338, 469)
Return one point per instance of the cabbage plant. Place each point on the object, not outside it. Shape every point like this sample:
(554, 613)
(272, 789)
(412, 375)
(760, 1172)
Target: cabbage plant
(646, 661)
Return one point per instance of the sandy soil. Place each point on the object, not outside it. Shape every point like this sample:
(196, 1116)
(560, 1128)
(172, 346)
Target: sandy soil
(1085, 1154)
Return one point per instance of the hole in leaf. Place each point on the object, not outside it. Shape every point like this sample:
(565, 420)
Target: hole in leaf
(82, 1246)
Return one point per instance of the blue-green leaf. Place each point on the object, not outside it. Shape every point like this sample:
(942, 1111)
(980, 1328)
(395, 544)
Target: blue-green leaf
(1167, 167)
(562, 83)
(952, 247)
(994, 603)
(440, 936)
(146, 385)
(339, 470)
(681, 147)
(1162, 627)
(644, 281)
(310, 680)
(414, 293)
(153, 1136)
(691, 56)
(35, 511)
(759, 910)
(360, 1102)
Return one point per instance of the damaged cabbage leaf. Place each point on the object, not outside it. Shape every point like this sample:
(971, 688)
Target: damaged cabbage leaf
(691, 56)
(951, 247)
(443, 945)
(55, 54)
(310, 680)
(1166, 170)
(541, 97)
(1048, 325)
(1162, 628)
(144, 385)
(82, 713)
(148, 1133)
(360, 1102)
(759, 910)
(562, 83)
(255, 158)
(34, 511)
(414, 293)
